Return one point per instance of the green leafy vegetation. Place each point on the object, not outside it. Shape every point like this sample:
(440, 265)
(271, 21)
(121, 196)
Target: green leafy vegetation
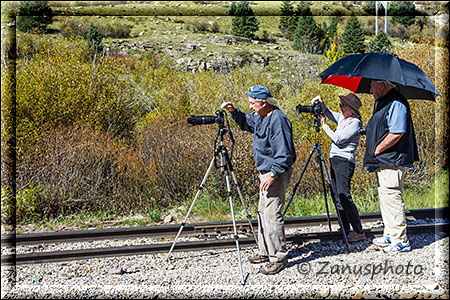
(34, 15)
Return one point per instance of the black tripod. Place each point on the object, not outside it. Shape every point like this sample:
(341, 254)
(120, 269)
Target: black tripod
(226, 168)
(323, 167)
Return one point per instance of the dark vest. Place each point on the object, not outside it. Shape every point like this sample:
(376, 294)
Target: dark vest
(404, 152)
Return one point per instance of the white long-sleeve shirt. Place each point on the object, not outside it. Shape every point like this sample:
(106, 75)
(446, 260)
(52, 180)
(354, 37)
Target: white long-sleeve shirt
(346, 136)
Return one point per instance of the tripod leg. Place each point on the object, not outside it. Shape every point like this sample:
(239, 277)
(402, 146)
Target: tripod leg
(334, 200)
(236, 238)
(324, 190)
(190, 208)
(243, 205)
(298, 180)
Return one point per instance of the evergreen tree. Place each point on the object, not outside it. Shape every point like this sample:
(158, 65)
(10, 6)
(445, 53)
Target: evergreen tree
(332, 28)
(330, 33)
(244, 23)
(308, 35)
(353, 37)
(94, 40)
(381, 43)
(288, 20)
(402, 12)
(369, 8)
(303, 9)
(34, 15)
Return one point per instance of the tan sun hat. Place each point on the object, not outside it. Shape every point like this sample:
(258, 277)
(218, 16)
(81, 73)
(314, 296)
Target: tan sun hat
(353, 101)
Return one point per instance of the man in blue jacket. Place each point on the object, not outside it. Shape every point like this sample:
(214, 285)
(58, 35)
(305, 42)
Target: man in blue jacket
(274, 152)
(391, 150)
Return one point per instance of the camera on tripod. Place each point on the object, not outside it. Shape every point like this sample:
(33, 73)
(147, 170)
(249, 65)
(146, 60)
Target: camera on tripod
(203, 120)
(315, 109)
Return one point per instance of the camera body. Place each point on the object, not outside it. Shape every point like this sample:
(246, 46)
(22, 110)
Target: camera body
(203, 120)
(315, 108)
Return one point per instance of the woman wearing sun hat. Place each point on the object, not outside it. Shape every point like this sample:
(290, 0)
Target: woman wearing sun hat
(345, 140)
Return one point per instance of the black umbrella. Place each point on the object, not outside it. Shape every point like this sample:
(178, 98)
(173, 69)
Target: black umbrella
(354, 72)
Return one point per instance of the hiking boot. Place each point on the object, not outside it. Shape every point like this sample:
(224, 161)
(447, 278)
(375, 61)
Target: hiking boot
(356, 237)
(273, 267)
(397, 248)
(382, 241)
(258, 259)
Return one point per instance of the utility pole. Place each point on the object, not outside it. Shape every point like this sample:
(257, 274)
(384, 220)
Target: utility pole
(376, 17)
(385, 5)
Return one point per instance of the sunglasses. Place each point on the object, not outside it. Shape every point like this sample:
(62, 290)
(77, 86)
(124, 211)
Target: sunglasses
(342, 104)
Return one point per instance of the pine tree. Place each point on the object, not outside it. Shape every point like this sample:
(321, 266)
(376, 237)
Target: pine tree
(288, 20)
(244, 23)
(94, 40)
(381, 43)
(402, 12)
(330, 33)
(369, 8)
(332, 29)
(307, 35)
(353, 37)
(34, 15)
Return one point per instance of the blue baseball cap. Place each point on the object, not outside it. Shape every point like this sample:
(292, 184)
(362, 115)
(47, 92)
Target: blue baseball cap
(261, 92)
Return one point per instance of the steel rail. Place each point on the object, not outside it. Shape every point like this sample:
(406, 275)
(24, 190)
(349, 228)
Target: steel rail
(59, 256)
(190, 229)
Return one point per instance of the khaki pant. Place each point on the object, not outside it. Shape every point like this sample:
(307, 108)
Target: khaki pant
(271, 235)
(390, 189)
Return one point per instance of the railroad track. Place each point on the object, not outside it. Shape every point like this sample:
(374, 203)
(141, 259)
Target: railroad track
(199, 229)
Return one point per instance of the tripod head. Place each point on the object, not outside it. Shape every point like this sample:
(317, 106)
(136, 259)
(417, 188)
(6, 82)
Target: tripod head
(220, 134)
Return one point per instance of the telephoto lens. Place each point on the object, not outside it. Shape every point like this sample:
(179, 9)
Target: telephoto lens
(201, 120)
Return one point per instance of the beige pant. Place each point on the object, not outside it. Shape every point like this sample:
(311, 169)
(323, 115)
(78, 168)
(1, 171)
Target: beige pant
(271, 235)
(390, 189)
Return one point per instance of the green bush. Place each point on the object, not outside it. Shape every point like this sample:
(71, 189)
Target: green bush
(381, 43)
(61, 86)
(34, 15)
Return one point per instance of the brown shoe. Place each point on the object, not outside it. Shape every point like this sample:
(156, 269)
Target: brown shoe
(273, 267)
(356, 237)
(258, 259)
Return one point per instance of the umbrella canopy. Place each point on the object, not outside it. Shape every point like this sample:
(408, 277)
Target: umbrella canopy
(354, 72)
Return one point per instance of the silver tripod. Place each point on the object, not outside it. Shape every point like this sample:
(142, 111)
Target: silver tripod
(226, 168)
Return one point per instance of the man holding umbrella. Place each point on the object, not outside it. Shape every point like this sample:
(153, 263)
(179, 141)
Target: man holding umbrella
(391, 150)
(391, 147)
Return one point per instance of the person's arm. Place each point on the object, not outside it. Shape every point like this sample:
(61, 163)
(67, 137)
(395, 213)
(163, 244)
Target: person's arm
(333, 116)
(396, 120)
(342, 136)
(390, 140)
(245, 121)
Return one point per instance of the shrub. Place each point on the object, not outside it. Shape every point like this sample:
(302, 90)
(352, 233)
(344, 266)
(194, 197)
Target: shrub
(381, 43)
(94, 40)
(60, 85)
(34, 15)
(79, 169)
